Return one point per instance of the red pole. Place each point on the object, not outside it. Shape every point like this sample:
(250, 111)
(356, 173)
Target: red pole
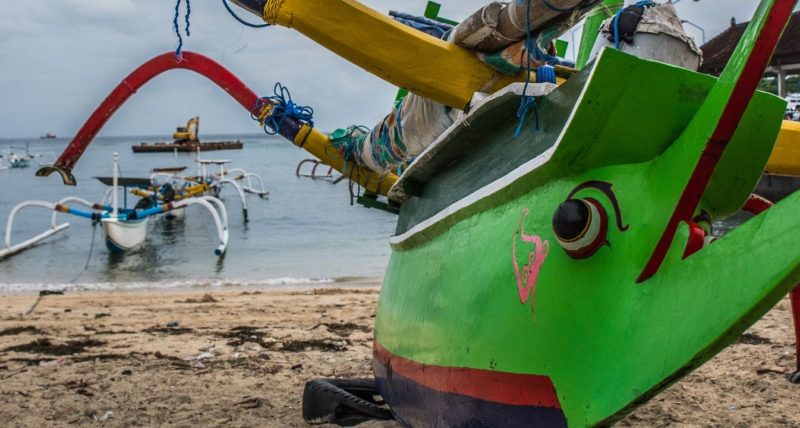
(200, 64)
(795, 298)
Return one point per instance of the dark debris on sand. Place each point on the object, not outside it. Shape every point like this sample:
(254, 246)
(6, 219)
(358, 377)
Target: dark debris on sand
(245, 334)
(168, 330)
(749, 338)
(46, 347)
(324, 345)
(344, 329)
(13, 331)
(207, 298)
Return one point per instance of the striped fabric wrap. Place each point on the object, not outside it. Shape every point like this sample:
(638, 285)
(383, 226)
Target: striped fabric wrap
(414, 124)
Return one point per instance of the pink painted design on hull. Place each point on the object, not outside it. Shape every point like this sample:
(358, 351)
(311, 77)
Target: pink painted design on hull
(526, 278)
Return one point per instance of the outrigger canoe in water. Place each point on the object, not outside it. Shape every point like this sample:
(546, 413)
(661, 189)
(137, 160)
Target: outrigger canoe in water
(564, 276)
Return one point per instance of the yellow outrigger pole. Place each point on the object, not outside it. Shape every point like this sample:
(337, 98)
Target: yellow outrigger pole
(401, 55)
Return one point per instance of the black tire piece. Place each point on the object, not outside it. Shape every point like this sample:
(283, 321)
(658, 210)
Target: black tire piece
(795, 377)
(627, 23)
(345, 402)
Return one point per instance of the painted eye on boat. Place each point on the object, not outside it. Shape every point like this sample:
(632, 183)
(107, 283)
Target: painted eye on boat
(581, 227)
(581, 224)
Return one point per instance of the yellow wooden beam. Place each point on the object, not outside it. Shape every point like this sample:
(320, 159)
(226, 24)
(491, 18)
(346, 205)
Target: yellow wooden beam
(319, 145)
(785, 158)
(399, 54)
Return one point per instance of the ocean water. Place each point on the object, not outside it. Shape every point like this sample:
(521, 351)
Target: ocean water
(306, 231)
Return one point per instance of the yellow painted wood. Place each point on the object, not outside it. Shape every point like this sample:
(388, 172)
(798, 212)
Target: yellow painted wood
(785, 158)
(319, 145)
(189, 192)
(407, 58)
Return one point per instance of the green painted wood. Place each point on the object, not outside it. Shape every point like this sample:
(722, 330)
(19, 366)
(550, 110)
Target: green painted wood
(591, 27)
(432, 12)
(624, 118)
(451, 297)
(561, 48)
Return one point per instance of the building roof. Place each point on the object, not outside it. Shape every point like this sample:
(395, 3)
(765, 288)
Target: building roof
(718, 50)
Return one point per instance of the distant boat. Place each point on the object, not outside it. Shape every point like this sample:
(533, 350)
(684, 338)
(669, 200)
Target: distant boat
(48, 136)
(18, 161)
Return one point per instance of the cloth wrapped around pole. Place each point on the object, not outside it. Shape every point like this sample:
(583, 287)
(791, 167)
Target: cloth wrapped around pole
(413, 125)
(498, 25)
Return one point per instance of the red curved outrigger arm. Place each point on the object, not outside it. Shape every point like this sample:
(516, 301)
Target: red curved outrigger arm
(200, 64)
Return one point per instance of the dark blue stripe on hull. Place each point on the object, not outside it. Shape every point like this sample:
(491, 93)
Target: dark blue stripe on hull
(113, 246)
(419, 406)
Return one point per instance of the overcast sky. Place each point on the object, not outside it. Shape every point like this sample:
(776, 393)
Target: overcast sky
(60, 58)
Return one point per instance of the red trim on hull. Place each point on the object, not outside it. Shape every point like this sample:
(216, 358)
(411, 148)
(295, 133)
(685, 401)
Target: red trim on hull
(734, 110)
(756, 204)
(487, 385)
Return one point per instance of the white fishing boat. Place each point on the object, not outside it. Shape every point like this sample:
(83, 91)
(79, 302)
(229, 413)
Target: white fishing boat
(124, 228)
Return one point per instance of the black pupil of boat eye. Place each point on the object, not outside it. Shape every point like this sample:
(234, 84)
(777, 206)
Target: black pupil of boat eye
(570, 219)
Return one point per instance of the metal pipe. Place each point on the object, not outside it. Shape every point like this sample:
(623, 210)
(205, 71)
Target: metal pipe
(115, 181)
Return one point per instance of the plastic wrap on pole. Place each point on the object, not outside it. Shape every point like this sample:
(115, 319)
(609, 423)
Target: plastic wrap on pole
(515, 23)
(479, 31)
(423, 121)
(413, 125)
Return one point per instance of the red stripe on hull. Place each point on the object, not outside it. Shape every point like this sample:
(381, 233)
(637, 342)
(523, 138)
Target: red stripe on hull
(488, 385)
(743, 92)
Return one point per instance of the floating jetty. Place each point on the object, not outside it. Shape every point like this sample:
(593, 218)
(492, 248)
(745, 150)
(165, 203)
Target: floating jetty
(171, 147)
(186, 139)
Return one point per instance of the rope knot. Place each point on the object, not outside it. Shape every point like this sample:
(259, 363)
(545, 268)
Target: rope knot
(273, 111)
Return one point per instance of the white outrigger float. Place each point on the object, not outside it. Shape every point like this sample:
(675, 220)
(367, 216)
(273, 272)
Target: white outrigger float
(124, 228)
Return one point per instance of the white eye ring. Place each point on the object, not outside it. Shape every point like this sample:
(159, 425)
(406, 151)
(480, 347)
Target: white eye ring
(593, 235)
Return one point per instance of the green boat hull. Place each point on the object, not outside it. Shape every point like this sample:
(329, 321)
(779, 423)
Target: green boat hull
(485, 316)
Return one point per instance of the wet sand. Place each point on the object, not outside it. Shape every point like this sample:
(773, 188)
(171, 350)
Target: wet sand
(241, 358)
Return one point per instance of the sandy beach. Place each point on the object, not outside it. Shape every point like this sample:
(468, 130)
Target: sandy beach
(241, 357)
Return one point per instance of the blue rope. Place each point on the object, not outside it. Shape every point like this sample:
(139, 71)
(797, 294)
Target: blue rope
(540, 55)
(426, 25)
(177, 30)
(282, 107)
(546, 74)
(641, 3)
(242, 21)
(179, 49)
(186, 17)
(526, 103)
